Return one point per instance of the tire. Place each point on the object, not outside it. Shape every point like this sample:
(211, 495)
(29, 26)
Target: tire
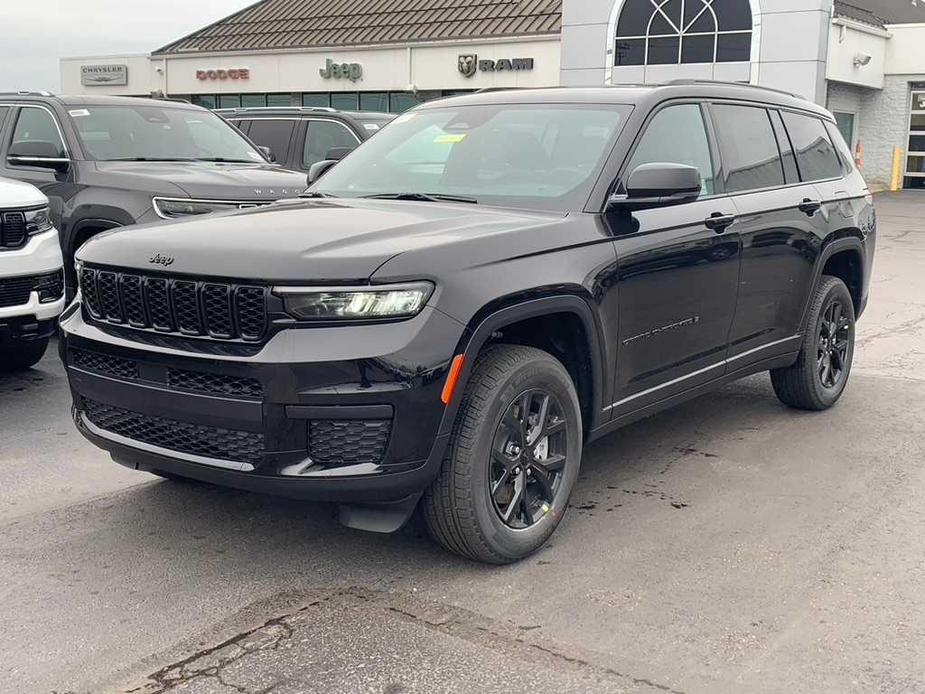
(459, 509)
(23, 356)
(807, 385)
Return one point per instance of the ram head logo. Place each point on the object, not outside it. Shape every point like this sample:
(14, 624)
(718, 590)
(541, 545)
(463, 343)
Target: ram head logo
(468, 64)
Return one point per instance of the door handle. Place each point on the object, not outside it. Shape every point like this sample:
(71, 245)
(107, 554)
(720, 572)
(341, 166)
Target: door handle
(810, 207)
(719, 222)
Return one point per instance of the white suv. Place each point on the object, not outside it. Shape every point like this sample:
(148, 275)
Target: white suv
(31, 277)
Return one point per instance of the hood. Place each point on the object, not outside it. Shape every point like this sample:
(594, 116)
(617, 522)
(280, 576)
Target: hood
(19, 194)
(298, 241)
(206, 180)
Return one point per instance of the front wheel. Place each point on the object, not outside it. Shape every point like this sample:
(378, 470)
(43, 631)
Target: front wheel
(23, 356)
(512, 459)
(820, 374)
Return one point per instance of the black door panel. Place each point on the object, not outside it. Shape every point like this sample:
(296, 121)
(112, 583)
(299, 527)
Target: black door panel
(677, 297)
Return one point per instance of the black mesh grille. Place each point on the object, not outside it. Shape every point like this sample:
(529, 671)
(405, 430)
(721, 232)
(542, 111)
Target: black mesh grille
(217, 301)
(158, 304)
(15, 291)
(12, 230)
(202, 309)
(252, 312)
(348, 442)
(183, 437)
(214, 383)
(104, 363)
(132, 301)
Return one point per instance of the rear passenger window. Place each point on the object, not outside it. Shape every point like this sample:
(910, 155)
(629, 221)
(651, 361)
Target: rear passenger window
(677, 135)
(815, 154)
(751, 159)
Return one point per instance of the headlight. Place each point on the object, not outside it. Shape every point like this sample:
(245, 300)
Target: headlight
(37, 221)
(356, 303)
(171, 208)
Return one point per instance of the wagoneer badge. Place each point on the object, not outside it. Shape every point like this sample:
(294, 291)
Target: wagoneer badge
(159, 259)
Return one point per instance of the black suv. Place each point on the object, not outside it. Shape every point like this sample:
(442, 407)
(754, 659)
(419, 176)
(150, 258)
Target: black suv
(472, 295)
(299, 137)
(109, 161)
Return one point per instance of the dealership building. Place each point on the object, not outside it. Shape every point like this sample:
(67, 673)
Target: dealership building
(863, 59)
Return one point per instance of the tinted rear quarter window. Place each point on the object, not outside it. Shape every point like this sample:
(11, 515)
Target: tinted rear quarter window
(748, 147)
(815, 154)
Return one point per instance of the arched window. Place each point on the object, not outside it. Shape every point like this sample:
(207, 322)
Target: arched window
(668, 32)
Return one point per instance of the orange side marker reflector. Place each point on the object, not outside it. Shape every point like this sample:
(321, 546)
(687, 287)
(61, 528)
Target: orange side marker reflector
(451, 378)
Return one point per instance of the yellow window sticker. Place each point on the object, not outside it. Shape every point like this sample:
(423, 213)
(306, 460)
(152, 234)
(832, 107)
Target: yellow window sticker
(449, 139)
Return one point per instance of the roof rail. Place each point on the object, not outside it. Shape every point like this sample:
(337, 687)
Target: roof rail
(27, 92)
(296, 109)
(731, 84)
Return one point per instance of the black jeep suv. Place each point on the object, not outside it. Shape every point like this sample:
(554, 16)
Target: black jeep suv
(110, 161)
(472, 295)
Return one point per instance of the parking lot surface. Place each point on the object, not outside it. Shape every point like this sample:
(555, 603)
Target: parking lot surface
(729, 545)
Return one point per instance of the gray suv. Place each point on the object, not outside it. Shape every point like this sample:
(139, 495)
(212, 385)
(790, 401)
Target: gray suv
(106, 162)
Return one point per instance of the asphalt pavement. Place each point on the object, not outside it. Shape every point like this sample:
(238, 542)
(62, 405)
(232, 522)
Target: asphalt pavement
(728, 545)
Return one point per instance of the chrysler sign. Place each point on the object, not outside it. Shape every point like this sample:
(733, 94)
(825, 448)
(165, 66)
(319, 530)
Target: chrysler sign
(103, 75)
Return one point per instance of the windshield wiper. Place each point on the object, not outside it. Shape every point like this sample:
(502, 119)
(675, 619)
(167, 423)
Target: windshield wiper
(422, 197)
(315, 194)
(222, 160)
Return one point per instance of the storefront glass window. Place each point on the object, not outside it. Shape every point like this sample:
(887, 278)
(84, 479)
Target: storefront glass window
(279, 99)
(204, 100)
(668, 32)
(347, 101)
(251, 100)
(322, 100)
(229, 101)
(374, 101)
(399, 102)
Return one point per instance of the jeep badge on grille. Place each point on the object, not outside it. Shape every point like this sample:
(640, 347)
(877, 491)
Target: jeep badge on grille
(158, 259)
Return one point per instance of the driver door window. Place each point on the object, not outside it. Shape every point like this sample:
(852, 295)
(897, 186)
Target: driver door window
(677, 135)
(36, 127)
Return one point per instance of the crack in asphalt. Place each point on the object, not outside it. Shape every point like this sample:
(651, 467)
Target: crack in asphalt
(450, 620)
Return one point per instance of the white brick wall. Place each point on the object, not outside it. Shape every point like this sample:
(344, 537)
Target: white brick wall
(882, 122)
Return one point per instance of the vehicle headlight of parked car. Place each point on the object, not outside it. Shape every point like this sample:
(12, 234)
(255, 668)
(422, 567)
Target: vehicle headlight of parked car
(356, 303)
(37, 221)
(170, 208)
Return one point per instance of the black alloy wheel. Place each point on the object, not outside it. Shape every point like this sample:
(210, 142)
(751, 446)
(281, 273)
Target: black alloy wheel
(528, 454)
(833, 344)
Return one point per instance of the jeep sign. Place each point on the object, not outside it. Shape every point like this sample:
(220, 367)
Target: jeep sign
(103, 75)
(350, 71)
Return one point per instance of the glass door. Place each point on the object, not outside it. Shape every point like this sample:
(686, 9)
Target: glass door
(915, 151)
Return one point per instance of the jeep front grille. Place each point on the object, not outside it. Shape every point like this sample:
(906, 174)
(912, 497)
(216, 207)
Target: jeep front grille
(172, 305)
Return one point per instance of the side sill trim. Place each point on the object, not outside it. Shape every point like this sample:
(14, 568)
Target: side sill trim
(699, 372)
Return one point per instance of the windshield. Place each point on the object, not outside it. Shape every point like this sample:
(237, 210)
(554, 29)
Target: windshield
(526, 155)
(156, 133)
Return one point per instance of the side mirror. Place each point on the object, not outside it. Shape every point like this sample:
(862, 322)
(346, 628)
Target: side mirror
(658, 185)
(267, 152)
(338, 153)
(38, 153)
(320, 168)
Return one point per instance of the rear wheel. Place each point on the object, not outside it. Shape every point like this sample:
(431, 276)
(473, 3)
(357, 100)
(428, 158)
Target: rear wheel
(512, 459)
(22, 356)
(820, 374)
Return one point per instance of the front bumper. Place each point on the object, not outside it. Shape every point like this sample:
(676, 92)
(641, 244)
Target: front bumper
(345, 414)
(40, 256)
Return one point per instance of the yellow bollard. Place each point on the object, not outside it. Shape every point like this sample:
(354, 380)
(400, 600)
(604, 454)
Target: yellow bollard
(897, 180)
